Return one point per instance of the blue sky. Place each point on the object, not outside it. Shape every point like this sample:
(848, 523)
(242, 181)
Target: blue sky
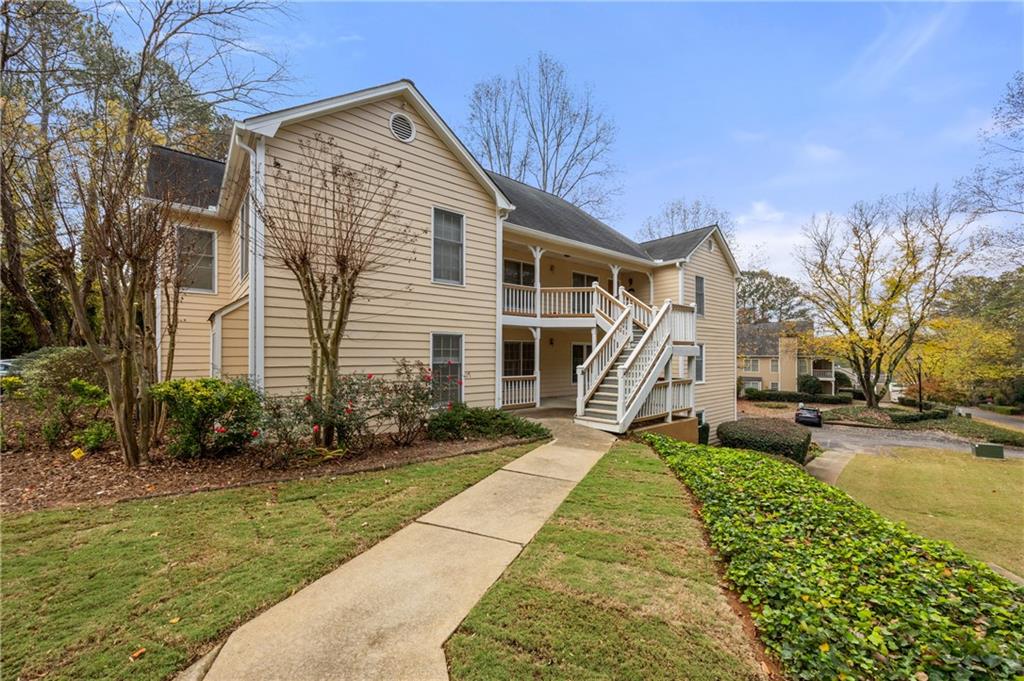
(773, 111)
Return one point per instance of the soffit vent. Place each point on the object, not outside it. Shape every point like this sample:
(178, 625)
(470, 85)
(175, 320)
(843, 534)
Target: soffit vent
(402, 127)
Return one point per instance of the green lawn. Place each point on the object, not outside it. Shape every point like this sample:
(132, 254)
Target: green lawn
(972, 429)
(84, 589)
(977, 504)
(617, 585)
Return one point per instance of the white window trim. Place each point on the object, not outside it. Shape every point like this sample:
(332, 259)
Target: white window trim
(752, 365)
(574, 344)
(524, 343)
(204, 291)
(774, 385)
(703, 366)
(462, 357)
(445, 282)
(774, 366)
(753, 383)
(704, 292)
(521, 262)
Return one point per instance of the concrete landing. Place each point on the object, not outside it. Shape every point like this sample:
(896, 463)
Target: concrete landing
(386, 613)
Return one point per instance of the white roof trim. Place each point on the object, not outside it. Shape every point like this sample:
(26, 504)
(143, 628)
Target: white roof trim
(536, 233)
(721, 242)
(268, 124)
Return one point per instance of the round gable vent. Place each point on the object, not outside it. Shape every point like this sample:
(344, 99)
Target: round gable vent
(402, 127)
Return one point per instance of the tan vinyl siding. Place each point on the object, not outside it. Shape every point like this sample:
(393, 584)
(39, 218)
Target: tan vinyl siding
(666, 284)
(717, 331)
(763, 372)
(235, 342)
(401, 306)
(192, 343)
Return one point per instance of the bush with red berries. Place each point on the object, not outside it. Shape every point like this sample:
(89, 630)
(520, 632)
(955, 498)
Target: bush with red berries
(208, 416)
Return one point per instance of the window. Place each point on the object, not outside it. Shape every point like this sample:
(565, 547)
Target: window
(700, 418)
(518, 358)
(582, 280)
(752, 365)
(580, 352)
(446, 367)
(243, 234)
(754, 383)
(775, 366)
(803, 367)
(448, 245)
(521, 273)
(775, 385)
(698, 364)
(698, 295)
(197, 252)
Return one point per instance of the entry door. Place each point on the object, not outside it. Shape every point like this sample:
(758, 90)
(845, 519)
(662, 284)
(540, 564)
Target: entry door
(580, 352)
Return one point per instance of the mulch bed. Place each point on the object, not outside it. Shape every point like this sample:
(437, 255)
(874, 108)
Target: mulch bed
(36, 477)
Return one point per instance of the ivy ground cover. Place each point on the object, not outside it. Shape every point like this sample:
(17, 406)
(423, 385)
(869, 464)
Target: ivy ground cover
(837, 591)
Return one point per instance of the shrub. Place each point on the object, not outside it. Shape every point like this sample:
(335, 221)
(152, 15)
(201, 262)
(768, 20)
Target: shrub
(96, 435)
(52, 431)
(52, 369)
(459, 422)
(1007, 410)
(900, 416)
(842, 380)
(786, 396)
(774, 436)
(806, 383)
(405, 402)
(912, 402)
(351, 411)
(837, 591)
(208, 415)
(12, 386)
(284, 424)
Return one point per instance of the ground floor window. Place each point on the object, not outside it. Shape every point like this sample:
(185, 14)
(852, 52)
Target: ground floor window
(446, 367)
(518, 358)
(698, 364)
(580, 352)
(700, 418)
(754, 383)
(775, 385)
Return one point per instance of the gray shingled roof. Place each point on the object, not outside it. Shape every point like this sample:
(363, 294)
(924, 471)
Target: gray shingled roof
(544, 212)
(676, 246)
(762, 340)
(182, 177)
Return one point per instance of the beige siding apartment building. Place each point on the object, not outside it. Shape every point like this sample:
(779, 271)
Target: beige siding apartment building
(524, 299)
(771, 357)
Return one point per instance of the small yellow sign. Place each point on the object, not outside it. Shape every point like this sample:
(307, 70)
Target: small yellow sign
(77, 453)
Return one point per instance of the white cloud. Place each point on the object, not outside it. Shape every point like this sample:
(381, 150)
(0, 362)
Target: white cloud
(819, 153)
(767, 237)
(902, 38)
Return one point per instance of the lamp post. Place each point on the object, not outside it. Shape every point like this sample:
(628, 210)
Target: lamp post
(920, 396)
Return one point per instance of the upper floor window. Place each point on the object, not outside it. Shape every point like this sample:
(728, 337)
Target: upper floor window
(751, 364)
(197, 259)
(775, 366)
(448, 246)
(698, 295)
(244, 221)
(521, 273)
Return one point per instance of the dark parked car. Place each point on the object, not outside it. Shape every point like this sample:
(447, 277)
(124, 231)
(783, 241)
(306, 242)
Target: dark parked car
(808, 416)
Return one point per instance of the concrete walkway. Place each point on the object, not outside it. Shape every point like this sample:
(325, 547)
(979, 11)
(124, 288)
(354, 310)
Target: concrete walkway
(386, 613)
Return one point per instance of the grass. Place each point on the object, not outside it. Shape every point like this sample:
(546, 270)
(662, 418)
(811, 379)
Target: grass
(775, 405)
(618, 584)
(977, 504)
(83, 589)
(971, 429)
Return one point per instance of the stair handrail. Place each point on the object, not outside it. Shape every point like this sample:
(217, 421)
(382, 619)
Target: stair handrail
(592, 371)
(642, 312)
(612, 303)
(649, 346)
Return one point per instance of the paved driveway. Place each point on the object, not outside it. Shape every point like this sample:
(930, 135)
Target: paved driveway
(874, 440)
(1004, 420)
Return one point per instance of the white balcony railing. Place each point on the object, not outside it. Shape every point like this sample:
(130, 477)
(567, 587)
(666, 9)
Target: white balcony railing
(520, 300)
(519, 391)
(664, 398)
(824, 373)
(566, 302)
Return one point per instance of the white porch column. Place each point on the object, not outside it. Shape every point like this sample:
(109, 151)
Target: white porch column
(535, 330)
(650, 289)
(615, 279)
(537, 253)
(593, 338)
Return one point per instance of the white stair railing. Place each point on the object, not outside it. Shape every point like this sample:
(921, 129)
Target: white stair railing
(607, 305)
(642, 312)
(684, 327)
(593, 370)
(637, 367)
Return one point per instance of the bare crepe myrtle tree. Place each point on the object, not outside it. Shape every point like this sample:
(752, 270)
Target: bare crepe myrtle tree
(331, 222)
(873, 276)
(109, 232)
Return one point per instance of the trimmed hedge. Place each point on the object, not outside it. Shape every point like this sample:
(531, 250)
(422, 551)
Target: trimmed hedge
(770, 435)
(1005, 410)
(837, 591)
(459, 422)
(912, 402)
(900, 416)
(756, 395)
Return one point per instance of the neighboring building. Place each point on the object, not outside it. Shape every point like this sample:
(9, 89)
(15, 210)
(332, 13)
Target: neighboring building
(521, 296)
(770, 357)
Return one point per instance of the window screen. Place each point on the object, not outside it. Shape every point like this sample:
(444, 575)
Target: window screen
(446, 367)
(517, 272)
(518, 358)
(196, 258)
(448, 245)
(698, 295)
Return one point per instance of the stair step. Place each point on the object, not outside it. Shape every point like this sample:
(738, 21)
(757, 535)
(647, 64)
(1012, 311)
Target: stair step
(604, 412)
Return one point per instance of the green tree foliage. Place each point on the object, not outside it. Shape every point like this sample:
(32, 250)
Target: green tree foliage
(765, 297)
